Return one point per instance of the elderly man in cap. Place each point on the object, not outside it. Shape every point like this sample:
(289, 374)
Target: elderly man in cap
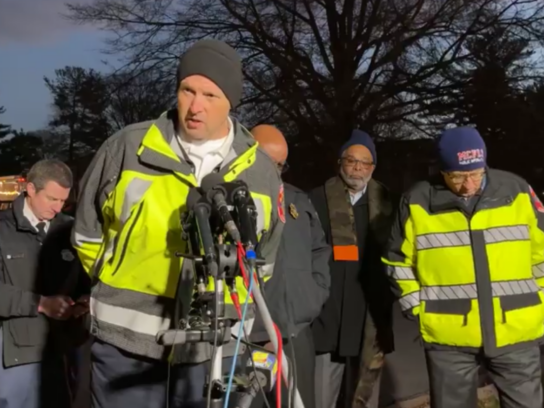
(354, 328)
(128, 232)
(466, 255)
(300, 284)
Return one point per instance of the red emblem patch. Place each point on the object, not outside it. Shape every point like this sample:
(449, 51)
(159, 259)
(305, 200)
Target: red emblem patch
(281, 205)
(538, 204)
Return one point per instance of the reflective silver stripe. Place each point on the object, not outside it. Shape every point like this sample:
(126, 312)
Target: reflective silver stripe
(449, 239)
(538, 270)
(401, 273)
(80, 239)
(460, 238)
(139, 312)
(518, 287)
(449, 292)
(132, 320)
(503, 234)
(505, 288)
(260, 214)
(409, 301)
(134, 192)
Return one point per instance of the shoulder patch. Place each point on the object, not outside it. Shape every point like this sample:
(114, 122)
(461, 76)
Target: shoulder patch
(536, 201)
(281, 204)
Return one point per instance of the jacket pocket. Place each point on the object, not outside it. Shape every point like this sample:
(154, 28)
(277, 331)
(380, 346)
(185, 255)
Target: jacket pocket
(512, 303)
(306, 298)
(29, 331)
(123, 245)
(459, 307)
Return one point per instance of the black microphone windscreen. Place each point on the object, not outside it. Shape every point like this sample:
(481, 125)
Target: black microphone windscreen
(210, 181)
(192, 198)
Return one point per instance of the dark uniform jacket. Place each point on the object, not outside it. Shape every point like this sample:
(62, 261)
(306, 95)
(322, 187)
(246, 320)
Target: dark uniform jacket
(30, 268)
(300, 283)
(357, 287)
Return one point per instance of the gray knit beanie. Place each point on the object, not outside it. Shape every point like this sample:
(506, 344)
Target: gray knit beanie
(217, 61)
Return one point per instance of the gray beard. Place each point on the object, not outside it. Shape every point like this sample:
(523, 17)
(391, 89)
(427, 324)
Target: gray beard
(355, 184)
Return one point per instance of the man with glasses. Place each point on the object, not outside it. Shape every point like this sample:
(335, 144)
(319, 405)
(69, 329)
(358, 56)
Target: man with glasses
(354, 328)
(466, 256)
(300, 283)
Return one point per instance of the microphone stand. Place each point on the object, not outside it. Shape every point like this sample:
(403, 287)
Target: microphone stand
(216, 260)
(219, 333)
(219, 262)
(247, 215)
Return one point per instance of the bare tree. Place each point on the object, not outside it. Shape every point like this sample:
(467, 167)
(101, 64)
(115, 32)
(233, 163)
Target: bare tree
(319, 68)
(137, 98)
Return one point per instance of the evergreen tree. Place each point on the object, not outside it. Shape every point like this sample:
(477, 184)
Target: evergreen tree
(4, 129)
(80, 100)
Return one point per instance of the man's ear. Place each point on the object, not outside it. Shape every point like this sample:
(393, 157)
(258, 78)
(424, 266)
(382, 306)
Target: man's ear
(31, 189)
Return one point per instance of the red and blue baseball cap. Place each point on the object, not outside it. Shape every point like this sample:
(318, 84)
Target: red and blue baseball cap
(461, 149)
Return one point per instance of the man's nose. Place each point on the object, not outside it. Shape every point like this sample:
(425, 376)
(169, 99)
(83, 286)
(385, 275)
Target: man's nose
(358, 166)
(469, 184)
(57, 207)
(196, 105)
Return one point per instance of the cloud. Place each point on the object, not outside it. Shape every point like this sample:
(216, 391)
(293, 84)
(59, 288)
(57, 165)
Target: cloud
(33, 21)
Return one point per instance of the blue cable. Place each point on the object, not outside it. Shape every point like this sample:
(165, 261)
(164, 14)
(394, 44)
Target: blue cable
(239, 339)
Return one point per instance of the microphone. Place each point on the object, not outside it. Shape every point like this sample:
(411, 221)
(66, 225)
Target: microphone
(247, 212)
(264, 376)
(201, 209)
(213, 186)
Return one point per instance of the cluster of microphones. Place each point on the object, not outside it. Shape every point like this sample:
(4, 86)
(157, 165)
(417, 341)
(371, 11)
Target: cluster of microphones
(232, 204)
(223, 197)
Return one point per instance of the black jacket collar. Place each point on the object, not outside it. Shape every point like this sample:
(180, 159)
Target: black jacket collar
(494, 195)
(22, 223)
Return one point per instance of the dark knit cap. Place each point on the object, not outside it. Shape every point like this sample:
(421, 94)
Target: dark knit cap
(217, 61)
(358, 137)
(461, 149)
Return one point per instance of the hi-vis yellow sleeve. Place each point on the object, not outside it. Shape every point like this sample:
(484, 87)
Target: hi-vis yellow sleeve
(400, 258)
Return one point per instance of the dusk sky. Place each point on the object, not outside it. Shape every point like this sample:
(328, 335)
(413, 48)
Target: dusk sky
(34, 41)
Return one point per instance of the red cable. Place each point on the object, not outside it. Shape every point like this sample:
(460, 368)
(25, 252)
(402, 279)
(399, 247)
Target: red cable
(236, 303)
(279, 373)
(241, 253)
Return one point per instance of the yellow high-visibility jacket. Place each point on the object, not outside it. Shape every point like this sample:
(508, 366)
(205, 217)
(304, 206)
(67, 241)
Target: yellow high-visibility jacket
(472, 270)
(127, 229)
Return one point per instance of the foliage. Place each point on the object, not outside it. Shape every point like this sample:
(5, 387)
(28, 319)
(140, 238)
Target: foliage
(136, 99)
(4, 129)
(80, 100)
(491, 84)
(19, 153)
(318, 68)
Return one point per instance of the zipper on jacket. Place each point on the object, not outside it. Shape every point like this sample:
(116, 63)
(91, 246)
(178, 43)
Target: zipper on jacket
(127, 238)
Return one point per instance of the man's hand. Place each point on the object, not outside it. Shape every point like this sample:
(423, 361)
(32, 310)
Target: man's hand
(81, 306)
(56, 307)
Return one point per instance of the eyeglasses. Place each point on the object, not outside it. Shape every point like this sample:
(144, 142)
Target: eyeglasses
(283, 167)
(457, 178)
(352, 162)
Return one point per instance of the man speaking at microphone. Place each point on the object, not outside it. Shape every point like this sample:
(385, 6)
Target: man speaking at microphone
(127, 230)
(300, 285)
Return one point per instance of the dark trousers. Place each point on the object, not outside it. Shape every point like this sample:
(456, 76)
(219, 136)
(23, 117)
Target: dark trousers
(304, 357)
(38, 385)
(123, 380)
(453, 377)
(20, 385)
